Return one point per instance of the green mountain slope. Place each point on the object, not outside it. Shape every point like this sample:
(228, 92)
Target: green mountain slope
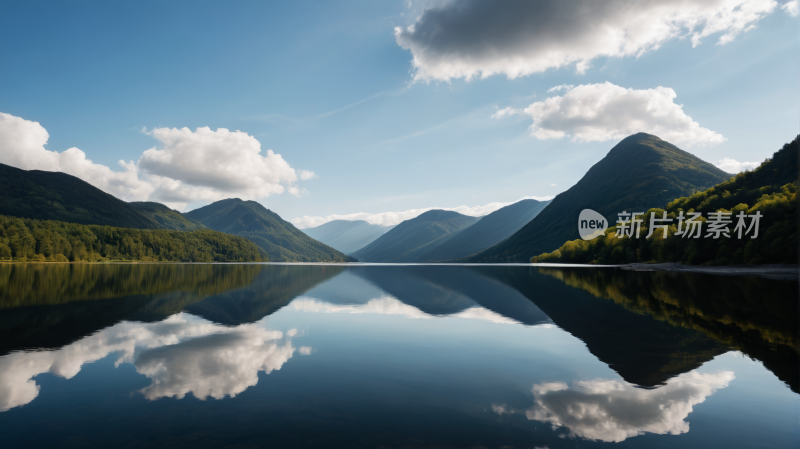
(490, 230)
(770, 190)
(58, 196)
(347, 236)
(640, 172)
(30, 240)
(411, 239)
(165, 217)
(280, 239)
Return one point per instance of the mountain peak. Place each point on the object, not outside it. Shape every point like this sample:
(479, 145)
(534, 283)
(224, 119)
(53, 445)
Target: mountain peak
(640, 172)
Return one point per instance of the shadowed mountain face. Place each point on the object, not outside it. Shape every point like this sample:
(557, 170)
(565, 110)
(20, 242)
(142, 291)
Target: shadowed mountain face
(412, 239)
(640, 172)
(166, 217)
(58, 196)
(281, 240)
(347, 236)
(490, 230)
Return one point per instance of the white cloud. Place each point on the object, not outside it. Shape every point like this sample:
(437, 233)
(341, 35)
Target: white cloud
(729, 165)
(560, 87)
(472, 38)
(200, 165)
(615, 410)
(307, 174)
(792, 8)
(506, 112)
(393, 218)
(22, 145)
(605, 111)
(219, 360)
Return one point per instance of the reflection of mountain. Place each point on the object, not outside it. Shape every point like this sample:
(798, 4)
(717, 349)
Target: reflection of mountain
(756, 316)
(49, 306)
(655, 327)
(644, 351)
(446, 290)
(274, 287)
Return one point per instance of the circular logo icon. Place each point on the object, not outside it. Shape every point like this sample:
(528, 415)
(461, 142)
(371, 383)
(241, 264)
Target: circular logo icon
(591, 224)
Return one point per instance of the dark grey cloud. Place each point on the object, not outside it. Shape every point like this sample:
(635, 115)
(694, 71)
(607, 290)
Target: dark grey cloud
(471, 38)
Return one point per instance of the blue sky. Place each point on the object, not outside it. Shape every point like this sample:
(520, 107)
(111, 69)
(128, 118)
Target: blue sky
(328, 87)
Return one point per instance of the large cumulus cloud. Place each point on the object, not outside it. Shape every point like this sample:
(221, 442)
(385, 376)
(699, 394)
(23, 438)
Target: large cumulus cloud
(605, 111)
(470, 38)
(189, 166)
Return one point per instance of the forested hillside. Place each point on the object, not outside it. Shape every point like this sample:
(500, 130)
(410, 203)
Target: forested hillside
(281, 240)
(24, 239)
(770, 190)
(58, 196)
(165, 217)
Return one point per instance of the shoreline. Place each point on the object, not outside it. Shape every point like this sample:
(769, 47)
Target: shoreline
(785, 272)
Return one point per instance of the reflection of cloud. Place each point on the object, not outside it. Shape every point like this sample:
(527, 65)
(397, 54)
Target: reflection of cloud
(218, 365)
(387, 305)
(305, 350)
(614, 410)
(17, 370)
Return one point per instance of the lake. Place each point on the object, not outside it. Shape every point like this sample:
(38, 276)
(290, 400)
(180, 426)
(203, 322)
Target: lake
(271, 355)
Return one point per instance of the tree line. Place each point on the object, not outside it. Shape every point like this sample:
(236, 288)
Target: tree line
(30, 240)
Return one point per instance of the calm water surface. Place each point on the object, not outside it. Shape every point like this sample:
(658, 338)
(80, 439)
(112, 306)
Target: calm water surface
(395, 356)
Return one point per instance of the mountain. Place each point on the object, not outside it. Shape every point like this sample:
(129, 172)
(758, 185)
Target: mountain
(490, 230)
(411, 239)
(58, 196)
(280, 239)
(770, 190)
(640, 172)
(165, 217)
(347, 236)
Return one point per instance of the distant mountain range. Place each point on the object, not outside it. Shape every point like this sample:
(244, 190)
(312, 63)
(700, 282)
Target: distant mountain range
(281, 240)
(411, 239)
(58, 196)
(640, 172)
(490, 230)
(347, 236)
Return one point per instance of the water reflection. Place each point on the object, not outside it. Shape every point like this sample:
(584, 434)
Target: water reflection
(180, 355)
(611, 410)
(201, 331)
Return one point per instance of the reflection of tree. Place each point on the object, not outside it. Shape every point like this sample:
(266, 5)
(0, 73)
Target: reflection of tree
(754, 315)
(48, 284)
(643, 350)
